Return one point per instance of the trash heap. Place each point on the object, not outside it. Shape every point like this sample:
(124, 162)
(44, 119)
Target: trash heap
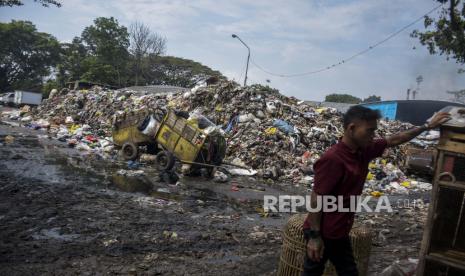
(385, 178)
(96, 108)
(279, 137)
(84, 118)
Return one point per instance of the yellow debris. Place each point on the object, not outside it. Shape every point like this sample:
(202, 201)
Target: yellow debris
(262, 212)
(370, 176)
(73, 128)
(406, 184)
(319, 110)
(271, 131)
(376, 194)
(168, 234)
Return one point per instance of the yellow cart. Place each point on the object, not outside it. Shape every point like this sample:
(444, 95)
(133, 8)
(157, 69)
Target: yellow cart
(194, 141)
(128, 137)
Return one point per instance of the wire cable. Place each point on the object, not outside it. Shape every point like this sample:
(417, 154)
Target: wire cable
(351, 57)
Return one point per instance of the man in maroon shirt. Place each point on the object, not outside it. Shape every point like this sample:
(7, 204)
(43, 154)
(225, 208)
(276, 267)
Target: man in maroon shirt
(341, 171)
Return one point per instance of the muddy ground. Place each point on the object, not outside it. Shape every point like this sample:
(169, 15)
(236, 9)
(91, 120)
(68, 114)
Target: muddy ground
(66, 212)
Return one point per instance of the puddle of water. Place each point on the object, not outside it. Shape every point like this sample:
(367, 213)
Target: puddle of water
(54, 233)
(66, 165)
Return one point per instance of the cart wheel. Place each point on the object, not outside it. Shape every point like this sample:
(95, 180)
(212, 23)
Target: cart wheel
(129, 151)
(165, 160)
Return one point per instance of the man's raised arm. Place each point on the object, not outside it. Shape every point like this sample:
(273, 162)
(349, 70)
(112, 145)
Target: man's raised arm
(405, 136)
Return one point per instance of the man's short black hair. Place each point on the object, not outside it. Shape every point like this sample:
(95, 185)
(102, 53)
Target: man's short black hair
(358, 112)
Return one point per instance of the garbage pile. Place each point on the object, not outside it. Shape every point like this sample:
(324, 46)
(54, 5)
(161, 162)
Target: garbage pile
(96, 108)
(385, 178)
(84, 118)
(427, 139)
(279, 137)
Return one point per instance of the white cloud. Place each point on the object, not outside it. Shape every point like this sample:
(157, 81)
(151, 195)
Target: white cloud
(285, 37)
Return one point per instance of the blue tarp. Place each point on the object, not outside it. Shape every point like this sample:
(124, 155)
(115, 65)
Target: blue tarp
(388, 110)
(284, 126)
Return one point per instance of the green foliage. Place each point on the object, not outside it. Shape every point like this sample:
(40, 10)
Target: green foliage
(168, 70)
(446, 34)
(342, 98)
(108, 43)
(26, 56)
(45, 3)
(48, 86)
(371, 99)
(73, 61)
(99, 72)
(100, 55)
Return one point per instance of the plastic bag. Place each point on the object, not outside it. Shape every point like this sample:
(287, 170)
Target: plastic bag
(284, 126)
(151, 127)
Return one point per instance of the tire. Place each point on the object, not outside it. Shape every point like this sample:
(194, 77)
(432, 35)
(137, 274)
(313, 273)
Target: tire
(165, 160)
(129, 151)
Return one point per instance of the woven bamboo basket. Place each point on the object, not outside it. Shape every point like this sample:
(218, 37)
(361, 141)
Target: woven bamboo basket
(294, 247)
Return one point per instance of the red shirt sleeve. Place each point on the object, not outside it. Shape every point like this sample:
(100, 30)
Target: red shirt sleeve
(328, 173)
(375, 149)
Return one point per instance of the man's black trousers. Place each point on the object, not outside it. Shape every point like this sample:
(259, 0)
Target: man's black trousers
(339, 252)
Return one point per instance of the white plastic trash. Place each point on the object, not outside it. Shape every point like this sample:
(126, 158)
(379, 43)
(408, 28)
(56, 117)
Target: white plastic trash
(151, 127)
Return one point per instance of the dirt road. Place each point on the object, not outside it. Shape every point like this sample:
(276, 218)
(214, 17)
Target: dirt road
(65, 212)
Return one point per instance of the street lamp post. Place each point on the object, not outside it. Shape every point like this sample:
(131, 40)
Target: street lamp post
(248, 58)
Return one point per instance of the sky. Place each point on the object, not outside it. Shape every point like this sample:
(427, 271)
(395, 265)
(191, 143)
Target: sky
(285, 37)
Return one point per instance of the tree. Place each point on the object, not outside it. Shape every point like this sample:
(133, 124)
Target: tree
(342, 98)
(99, 72)
(48, 86)
(371, 99)
(167, 70)
(446, 34)
(26, 56)
(73, 60)
(144, 43)
(45, 3)
(107, 42)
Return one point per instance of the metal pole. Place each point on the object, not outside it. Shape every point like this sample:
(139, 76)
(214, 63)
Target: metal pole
(247, 67)
(248, 58)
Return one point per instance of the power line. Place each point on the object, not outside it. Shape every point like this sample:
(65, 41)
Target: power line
(349, 58)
